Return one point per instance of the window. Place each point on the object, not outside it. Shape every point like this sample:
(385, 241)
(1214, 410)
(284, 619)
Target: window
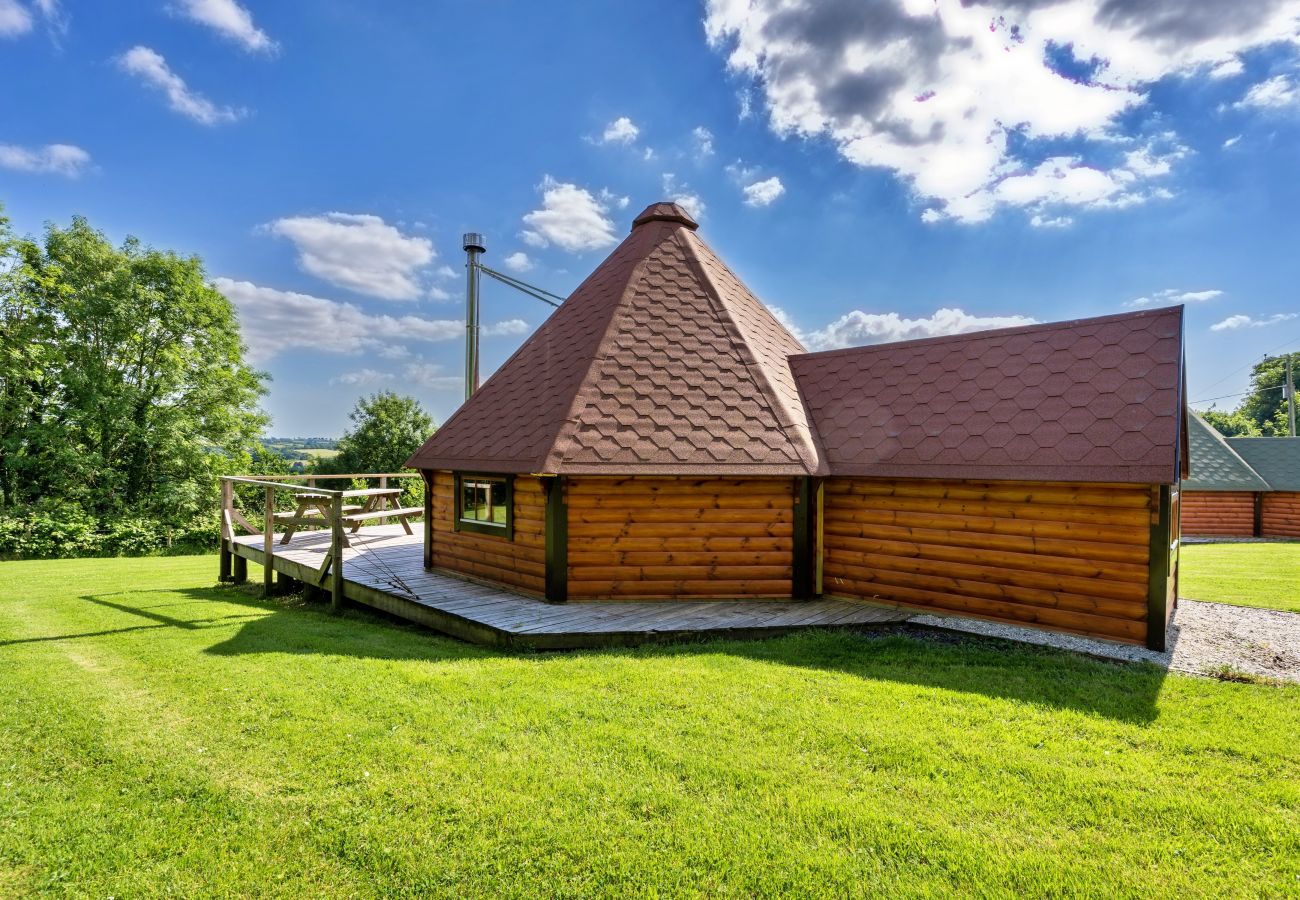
(483, 504)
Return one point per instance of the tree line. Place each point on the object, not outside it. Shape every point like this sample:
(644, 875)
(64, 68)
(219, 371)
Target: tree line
(1262, 411)
(125, 393)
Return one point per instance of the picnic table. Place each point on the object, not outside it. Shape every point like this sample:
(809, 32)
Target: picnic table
(374, 505)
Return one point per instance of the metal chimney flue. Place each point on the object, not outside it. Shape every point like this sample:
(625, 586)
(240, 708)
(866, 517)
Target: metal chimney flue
(473, 244)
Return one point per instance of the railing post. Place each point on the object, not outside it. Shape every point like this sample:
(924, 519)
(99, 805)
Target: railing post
(268, 543)
(336, 548)
(383, 501)
(227, 490)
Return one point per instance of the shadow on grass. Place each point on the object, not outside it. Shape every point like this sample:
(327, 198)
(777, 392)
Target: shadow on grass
(969, 664)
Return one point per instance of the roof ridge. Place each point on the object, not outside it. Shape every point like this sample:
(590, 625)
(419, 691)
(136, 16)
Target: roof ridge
(999, 332)
(806, 447)
(1223, 442)
(560, 446)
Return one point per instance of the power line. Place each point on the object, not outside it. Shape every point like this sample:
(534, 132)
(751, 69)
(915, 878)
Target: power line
(1249, 364)
(1278, 387)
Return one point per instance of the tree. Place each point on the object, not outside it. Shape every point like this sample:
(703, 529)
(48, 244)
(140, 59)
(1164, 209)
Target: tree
(1230, 424)
(387, 429)
(124, 386)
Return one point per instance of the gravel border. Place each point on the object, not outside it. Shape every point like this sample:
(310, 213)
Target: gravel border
(1212, 639)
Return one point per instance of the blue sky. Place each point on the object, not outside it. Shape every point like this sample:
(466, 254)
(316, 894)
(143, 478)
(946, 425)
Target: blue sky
(877, 170)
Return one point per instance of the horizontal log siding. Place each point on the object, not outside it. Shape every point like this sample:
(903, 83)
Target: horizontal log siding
(518, 563)
(1280, 516)
(656, 538)
(1064, 556)
(1219, 513)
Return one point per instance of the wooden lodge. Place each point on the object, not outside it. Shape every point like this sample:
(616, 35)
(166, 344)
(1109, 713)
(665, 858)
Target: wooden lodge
(1241, 486)
(663, 437)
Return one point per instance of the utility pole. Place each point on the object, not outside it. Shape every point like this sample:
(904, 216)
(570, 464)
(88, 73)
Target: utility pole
(473, 245)
(1290, 396)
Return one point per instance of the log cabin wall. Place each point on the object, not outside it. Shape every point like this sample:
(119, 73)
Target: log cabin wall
(1072, 557)
(519, 562)
(1280, 515)
(656, 538)
(1227, 513)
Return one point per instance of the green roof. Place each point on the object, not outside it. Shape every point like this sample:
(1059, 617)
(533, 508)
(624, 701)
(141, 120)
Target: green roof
(1276, 459)
(1215, 465)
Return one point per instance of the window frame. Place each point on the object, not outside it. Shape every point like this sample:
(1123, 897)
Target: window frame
(459, 523)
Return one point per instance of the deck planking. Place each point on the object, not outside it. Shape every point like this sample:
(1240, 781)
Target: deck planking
(381, 559)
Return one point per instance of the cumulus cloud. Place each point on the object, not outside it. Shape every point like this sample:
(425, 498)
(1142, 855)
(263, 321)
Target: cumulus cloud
(15, 19)
(52, 159)
(149, 67)
(963, 99)
(703, 139)
(361, 253)
(570, 217)
(683, 196)
(362, 378)
(505, 328)
(1172, 296)
(621, 131)
(518, 262)
(275, 321)
(432, 376)
(857, 327)
(228, 19)
(1278, 92)
(763, 193)
(1232, 323)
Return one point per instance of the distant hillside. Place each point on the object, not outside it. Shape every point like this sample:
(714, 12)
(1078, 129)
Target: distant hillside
(301, 450)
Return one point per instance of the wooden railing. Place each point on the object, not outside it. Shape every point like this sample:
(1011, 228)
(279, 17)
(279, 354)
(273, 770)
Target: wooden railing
(272, 487)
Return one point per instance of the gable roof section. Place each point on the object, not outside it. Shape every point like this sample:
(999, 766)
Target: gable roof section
(661, 362)
(1089, 400)
(1275, 459)
(1215, 465)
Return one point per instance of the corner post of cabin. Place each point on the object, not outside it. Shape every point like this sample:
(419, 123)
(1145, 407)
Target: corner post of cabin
(268, 543)
(1257, 529)
(227, 533)
(336, 551)
(557, 540)
(803, 580)
(427, 477)
(1158, 573)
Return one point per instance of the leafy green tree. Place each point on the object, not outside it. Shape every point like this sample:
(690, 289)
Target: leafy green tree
(387, 429)
(1265, 405)
(1231, 424)
(124, 383)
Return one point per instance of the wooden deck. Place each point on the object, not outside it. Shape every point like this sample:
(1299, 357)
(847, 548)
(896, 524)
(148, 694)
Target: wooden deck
(383, 569)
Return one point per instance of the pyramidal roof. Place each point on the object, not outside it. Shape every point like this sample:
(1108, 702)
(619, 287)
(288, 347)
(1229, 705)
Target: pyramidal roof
(1215, 464)
(661, 362)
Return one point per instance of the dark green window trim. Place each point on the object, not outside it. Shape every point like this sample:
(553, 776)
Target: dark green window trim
(507, 530)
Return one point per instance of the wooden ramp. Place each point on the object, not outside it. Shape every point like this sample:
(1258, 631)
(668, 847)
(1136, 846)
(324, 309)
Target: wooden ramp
(383, 568)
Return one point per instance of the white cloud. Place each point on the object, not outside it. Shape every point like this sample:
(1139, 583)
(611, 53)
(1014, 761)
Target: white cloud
(362, 378)
(683, 196)
(150, 67)
(1232, 323)
(1171, 296)
(1038, 220)
(1229, 68)
(15, 19)
(430, 375)
(703, 139)
(1278, 92)
(361, 253)
(1231, 142)
(957, 97)
(518, 262)
(620, 131)
(440, 294)
(52, 159)
(505, 328)
(570, 218)
(274, 321)
(230, 20)
(763, 193)
(857, 327)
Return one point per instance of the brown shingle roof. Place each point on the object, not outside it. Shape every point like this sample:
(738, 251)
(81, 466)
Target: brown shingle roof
(1090, 400)
(660, 362)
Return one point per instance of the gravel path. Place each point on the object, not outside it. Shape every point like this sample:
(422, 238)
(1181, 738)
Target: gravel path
(1205, 639)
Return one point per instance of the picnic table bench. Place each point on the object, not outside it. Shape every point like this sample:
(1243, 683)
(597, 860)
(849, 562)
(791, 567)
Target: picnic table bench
(374, 506)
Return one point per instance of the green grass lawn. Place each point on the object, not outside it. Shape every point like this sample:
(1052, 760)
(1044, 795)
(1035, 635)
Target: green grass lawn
(1265, 575)
(159, 735)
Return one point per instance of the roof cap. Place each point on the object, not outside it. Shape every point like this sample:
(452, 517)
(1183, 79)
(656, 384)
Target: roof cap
(665, 211)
